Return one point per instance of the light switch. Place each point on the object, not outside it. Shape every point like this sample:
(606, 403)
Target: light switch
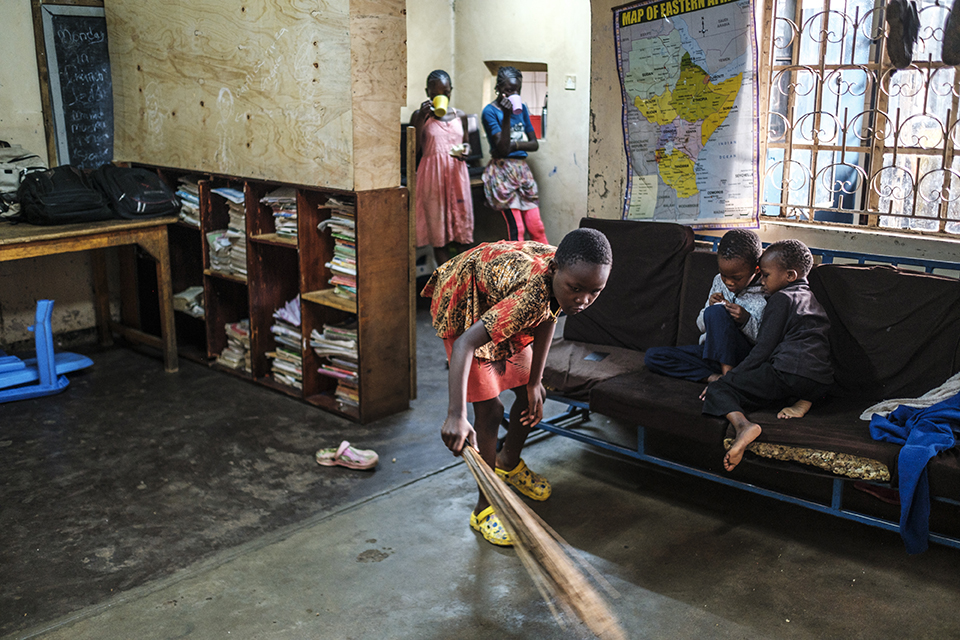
(570, 82)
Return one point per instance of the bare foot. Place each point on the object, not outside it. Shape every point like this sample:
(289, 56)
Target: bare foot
(747, 432)
(713, 377)
(798, 410)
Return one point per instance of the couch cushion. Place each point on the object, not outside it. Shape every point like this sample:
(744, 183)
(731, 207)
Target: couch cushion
(893, 333)
(658, 403)
(639, 307)
(835, 425)
(699, 269)
(831, 425)
(574, 368)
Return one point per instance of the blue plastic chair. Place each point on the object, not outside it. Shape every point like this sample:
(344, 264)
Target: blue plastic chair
(46, 369)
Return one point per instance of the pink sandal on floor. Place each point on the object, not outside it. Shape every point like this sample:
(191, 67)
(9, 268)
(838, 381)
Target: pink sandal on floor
(346, 455)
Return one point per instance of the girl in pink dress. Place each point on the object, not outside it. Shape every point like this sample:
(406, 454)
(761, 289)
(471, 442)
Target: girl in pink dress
(444, 202)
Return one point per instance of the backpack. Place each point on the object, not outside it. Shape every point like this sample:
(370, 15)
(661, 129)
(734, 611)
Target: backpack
(62, 195)
(135, 193)
(14, 163)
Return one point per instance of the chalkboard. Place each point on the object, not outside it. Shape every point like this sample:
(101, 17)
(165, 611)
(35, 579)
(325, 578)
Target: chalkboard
(81, 94)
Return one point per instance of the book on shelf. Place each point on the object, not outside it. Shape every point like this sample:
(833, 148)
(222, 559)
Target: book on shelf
(220, 246)
(189, 194)
(286, 361)
(283, 203)
(236, 355)
(190, 301)
(337, 345)
(232, 195)
(237, 233)
(343, 264)
(347, 395)
(228, 247)
(340, 205)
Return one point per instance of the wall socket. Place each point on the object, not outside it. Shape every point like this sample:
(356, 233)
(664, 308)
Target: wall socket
(570, 82)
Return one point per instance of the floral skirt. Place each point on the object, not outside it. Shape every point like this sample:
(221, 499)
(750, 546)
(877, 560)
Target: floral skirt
(488, 380)
(508, 184)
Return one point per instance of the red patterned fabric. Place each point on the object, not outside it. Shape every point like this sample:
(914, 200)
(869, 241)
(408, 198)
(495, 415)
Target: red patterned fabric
(486, 380)
(505, 285)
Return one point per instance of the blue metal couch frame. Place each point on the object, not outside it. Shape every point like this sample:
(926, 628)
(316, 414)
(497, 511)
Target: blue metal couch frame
(578, 412)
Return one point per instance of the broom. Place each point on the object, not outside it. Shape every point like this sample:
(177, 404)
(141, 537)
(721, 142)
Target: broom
(550, 561)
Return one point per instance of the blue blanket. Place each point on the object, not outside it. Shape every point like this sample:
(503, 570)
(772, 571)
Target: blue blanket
(922, 433)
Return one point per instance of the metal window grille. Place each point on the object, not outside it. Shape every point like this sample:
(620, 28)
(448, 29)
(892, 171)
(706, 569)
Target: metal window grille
(847, 138)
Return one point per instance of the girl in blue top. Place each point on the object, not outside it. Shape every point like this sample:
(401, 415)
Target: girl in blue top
(507, 181)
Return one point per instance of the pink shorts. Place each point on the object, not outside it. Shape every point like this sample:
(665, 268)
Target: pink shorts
(487, 380)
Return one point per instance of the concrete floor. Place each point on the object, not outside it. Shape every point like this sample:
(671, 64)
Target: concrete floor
(252, 539)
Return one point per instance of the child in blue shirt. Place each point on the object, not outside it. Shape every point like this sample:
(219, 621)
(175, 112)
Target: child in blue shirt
(728, 322)
(507, 181)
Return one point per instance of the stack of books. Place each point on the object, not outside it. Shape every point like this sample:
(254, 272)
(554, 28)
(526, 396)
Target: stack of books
(236, 355)
(283, 202)
(343, 228)
(189, 301)
(337, 345)
(287, 360)
(189, 194)
(220, 246)
(237, 234)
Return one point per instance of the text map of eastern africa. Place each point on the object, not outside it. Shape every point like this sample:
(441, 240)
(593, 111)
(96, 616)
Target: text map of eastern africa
(689, 80)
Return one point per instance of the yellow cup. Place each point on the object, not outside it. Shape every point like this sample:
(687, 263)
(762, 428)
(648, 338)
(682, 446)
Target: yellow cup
(440, 104)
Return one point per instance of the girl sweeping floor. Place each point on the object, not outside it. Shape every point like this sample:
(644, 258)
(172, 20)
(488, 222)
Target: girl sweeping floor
(495, 307)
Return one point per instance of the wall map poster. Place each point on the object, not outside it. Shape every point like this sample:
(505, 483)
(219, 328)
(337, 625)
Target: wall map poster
(688, 75)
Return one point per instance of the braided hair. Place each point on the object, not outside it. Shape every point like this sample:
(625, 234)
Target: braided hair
(439, 75)
(508, 73)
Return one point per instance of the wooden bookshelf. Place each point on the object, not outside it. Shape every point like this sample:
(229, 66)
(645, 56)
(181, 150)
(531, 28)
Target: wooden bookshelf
(280, 268)
(275, 239)
(328, 298)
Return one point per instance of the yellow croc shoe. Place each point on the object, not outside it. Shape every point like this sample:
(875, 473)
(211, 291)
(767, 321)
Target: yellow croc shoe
(488, 524)
(533, 485)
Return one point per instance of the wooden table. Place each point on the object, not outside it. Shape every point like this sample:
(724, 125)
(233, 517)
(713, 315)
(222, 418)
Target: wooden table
(29, 241)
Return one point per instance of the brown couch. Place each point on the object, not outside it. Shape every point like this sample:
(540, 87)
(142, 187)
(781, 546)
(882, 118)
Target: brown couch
(894, 334)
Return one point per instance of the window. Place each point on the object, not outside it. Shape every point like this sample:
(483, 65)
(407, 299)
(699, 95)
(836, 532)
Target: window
(848, 138)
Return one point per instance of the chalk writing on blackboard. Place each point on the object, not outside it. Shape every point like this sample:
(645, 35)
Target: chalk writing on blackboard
(81, 94)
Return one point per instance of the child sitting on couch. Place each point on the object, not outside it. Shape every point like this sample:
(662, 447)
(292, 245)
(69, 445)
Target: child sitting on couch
(791, 359)
(728, 321)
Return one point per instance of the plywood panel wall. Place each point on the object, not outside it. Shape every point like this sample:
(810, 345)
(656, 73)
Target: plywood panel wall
(261, 89)
(378, 56)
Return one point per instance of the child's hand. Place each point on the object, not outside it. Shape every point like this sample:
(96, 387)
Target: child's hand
(455, 432)
(717, 298)
(532, 415)
(738, 313)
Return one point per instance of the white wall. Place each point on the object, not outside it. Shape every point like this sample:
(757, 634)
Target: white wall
(430, 38)
(64, 279)
(608, 165)
(554, 32)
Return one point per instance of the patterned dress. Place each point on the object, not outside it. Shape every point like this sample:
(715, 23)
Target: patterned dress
(507, 287)
(444, 201)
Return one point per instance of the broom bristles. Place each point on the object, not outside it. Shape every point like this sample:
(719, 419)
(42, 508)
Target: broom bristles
(550, 561)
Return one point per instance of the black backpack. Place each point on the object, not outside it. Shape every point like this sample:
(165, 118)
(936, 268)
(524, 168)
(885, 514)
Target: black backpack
(135, 193)
(61, 195)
